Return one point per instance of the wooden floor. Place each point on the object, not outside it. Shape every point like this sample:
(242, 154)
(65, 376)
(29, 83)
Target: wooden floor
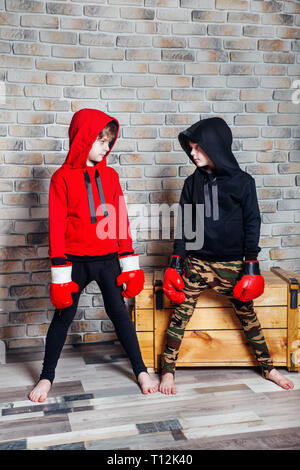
(95, 403)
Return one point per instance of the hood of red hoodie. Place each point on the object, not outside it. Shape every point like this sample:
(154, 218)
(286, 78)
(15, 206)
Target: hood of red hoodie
(85, 127)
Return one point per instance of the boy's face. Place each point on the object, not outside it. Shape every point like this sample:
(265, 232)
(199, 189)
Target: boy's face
(98, 151)
(199, 156)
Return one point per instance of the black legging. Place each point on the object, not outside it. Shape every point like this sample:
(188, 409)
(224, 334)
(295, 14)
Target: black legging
(104, 272)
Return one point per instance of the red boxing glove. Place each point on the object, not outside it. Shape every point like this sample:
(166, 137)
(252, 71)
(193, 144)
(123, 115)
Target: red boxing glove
(132, 277)
(252, 284)
(173, 281)
(62, 285)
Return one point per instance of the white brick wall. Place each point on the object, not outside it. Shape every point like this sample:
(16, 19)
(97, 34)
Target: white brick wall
(158, 66)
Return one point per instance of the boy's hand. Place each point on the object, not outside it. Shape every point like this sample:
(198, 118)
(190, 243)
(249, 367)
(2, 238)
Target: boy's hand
(132, 277)
(173, 281)
(252, 284)
(62, 286)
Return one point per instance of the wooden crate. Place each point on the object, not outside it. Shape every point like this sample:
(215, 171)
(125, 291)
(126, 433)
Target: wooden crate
(214, 335)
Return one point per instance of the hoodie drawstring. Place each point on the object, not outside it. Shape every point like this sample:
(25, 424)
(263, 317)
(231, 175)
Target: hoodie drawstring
(90, 196)
(215, 202)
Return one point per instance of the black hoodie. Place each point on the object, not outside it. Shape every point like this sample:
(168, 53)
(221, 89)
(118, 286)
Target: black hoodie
(231, 213)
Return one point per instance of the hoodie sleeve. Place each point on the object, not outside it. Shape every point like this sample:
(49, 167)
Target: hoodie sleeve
(179, 243)
(57, 217)
(252, 222)
(122, 222)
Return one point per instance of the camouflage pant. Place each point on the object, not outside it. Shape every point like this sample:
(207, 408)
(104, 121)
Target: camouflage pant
(222, 277)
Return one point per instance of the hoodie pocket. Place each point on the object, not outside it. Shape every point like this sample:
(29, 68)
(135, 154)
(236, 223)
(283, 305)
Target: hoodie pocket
(75, 233)
(234, 232)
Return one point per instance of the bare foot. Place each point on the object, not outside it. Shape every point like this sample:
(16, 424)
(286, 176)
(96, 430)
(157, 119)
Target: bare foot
(40, 391)
(280, 379)
(167, 385)
(146, 383)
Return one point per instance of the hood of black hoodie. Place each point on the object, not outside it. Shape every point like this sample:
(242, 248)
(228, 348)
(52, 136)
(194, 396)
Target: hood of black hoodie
(214, 136)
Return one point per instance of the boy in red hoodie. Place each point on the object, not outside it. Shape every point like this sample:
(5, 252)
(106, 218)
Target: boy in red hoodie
(89, 239)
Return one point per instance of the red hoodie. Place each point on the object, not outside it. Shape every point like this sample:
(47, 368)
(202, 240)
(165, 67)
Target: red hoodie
(80, 196)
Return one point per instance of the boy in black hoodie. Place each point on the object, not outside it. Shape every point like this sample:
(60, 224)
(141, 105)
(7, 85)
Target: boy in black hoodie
(227, 261)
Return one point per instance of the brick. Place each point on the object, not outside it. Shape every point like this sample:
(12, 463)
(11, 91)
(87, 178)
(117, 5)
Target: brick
(289, 168)
(285, 253)
(137, 13)
(169, 42)
(58, 37)
(160, 106)
(18, 34)
(12, 331)
(176, 69)
(53, 8)
(69, 52)
(213, 56)
(224, 30)
(133, 41)
(28, 6)
(289, 205)
(40, 21)
(16, 318)
(271, 157)
(9, 19)
(157, 248)
(132, 67)
(143, 185)
(10, 279)
(201, 69)
(16, 62)
(259, 31)
(290, 241)
(146, 119)
(180, 119)
(209, 16)
(102, 80)
(148, 27)
(78, 23)
(142, 54)
(91, 66)
(190, 29)
(53, 78)
(31, 49)
(37, 330)
(101, 11)
(153, 94)
(288, 33)
(136, 159)
(232, 4)
(172, 14)
(160, 172)
(154, 146)
(243, 17)
(20, 199)
(125, 106)
(139, 133)
(231, 95)
(189, 95)
(178, 55)
(103, 53)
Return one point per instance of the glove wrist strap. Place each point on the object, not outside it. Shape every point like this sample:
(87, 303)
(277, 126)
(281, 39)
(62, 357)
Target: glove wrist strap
(129, 263)
(251, 267)
(61, 274)
(176, 262)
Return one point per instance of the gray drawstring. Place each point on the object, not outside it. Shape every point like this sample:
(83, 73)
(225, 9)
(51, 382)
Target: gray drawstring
(215, 202)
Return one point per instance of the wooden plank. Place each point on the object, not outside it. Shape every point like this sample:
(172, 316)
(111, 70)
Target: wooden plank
(293, 341)
(216, 318)
(224, 346)
(144, 320)
(144, 299)
(146, 342)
